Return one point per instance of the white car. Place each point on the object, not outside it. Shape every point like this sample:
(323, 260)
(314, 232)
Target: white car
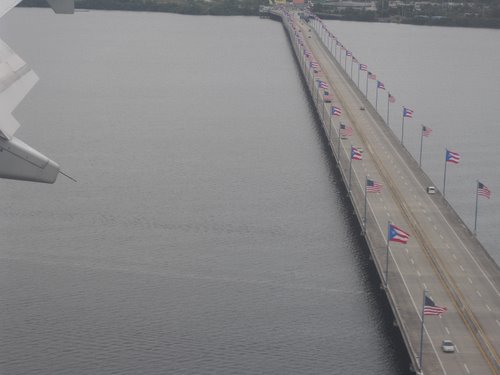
(448, 346)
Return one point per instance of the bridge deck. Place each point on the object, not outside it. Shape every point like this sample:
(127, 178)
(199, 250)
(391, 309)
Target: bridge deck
(442, 256)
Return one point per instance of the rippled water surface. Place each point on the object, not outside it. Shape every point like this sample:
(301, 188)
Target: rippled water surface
(208, 232)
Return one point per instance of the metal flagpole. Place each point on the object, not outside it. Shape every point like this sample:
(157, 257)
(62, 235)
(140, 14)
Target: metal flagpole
(364, 216)
(338, 148)
(421, 335)
(475, 215)
(387, 119)
(421, 143)
(376, 98)
(444, 179)
(345, 61)
(387, 254)
(352, 62)
(358, 75)
(366, 91)
(403, 127)
(350, 169)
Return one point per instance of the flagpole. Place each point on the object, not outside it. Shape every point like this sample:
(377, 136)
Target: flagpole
(421, 143)
(387, 255)
(366, 91)
(358, 75)
(352, 62)
(444, 179)
(338, 148)
(364, 216)
(475, 215)
(403, 127)
(421, 335)
(387, 119)
(350, 170)
(376, 97)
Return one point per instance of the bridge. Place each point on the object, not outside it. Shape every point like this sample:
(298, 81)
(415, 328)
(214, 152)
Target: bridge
(442, 259)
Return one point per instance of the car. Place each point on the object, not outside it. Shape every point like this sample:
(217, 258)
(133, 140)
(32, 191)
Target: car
(362, 108)
(431, 190)
(448, 346)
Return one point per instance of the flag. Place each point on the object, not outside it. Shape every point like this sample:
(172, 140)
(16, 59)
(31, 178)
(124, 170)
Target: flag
(397, 234)
(355, 154)
(426, 131)
(336, 111)
(380, 85)
(345, 130)
(373, 186)
(391, 98)
(371, 75)
(348, 53)
(363, 67)
(314, 64)
(322, 84)
(430, 307)
(452, 157)
(407, 112)
(483, 190)
(355, 60)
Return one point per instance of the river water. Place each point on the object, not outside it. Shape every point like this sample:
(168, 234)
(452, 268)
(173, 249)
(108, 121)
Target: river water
(208, 232)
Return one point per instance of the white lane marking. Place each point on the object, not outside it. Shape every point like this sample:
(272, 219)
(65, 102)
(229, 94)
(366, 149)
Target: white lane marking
(447, 330)
(470, 281)
(462, 268)
(488, 307)
(478, 293)
(466, 368)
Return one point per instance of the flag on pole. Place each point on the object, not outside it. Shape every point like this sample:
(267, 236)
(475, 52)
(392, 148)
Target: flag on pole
(322, 84)
(397, 234)
(356, 154)
(430, 307)
(426, 131)
(380, 85)
(336, 111)
(407, 112)
(391, 98)
(314, 64)
(373, 186)
(348, 53)
(483, 191)
(363, 67)
(345, 130)
(372, 76)
(452, 157)
(355, 60)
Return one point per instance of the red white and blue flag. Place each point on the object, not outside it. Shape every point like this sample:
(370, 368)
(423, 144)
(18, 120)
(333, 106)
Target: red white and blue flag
(426, 131)
(322, 84)
(356, 154)
(363, 67)
(483, 191)
(407, 112)
(380, 85)
(336, 111)
(373, 186)
(348, 53)
(452, 157)
(397, 234)
(314, 64)
(345, 130)
(430, 307)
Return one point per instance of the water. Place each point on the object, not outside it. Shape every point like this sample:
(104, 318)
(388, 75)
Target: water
(447, 76)
(208, 232)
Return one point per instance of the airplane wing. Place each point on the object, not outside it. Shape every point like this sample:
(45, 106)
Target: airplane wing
(18, 160)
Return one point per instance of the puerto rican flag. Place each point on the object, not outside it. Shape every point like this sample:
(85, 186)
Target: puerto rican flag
(396, 234)
(336, 111)
(322, 84)
(407, 112)
(452, 157)
(355, 154)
